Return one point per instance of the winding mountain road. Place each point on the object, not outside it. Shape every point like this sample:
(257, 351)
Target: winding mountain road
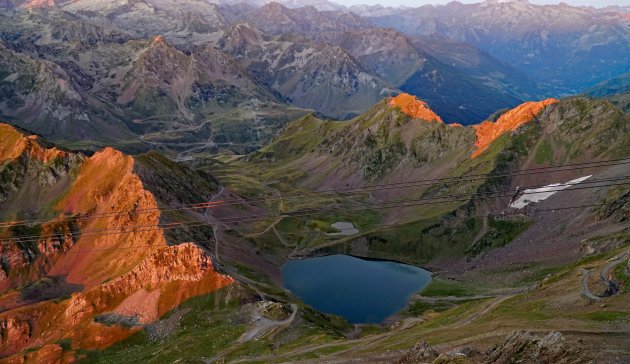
(603, 276)
(586, 292)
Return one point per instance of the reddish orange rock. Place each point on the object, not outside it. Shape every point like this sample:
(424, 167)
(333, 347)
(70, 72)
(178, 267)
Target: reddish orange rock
(13, 144)
(415, 108)
(49, 354)
(487, 132)
(133, 274)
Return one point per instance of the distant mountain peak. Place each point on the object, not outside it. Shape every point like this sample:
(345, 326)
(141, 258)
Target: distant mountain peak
(160, 45)
(487, 132)
(274, 6)
(415, 108)
(507, 1)
(35, 4)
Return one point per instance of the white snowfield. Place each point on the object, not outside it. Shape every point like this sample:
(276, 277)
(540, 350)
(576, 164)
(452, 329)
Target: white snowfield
(540, 194)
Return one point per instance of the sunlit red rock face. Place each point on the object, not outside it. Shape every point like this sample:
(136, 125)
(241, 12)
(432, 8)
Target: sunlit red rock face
(106, 184)
(51, 353)
(415, 108)
(132, 274)
(166, 278)
(13, 144)
(487, 132)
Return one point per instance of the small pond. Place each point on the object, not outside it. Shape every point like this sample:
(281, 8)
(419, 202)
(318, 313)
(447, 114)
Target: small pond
(360, 290)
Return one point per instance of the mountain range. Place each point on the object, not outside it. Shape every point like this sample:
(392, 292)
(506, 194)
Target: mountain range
(279, 61)
(163, 161)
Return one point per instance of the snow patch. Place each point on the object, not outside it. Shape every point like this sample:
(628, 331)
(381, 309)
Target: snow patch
(540, 194)
(345, 228)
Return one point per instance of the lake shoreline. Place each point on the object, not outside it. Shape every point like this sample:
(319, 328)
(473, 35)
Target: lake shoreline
(362, 291)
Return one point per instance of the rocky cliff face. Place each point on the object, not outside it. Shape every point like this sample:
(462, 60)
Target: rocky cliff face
(100, 239)
(15, 144)
(415, 108)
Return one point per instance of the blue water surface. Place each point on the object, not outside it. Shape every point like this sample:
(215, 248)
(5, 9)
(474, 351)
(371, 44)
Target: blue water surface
(361, 291)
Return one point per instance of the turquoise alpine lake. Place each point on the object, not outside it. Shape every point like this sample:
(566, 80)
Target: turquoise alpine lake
(360, 290)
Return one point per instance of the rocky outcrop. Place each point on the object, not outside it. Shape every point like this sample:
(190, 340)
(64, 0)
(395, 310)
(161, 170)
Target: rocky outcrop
(162, 281)
(15, 331)
(171, 275)
(525, 347)
(14, 143)
(488, 132)
(420, 353)
(518, 347)
(415, 108)
(51, 353)
(615, 205)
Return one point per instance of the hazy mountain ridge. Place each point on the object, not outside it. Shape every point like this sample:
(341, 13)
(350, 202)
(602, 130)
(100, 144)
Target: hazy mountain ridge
(396, 58)
(274, 18)
(617, 90)
(461, 82)
(551, 43)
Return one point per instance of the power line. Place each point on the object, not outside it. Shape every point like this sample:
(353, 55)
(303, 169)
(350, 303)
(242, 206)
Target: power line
(349, 190)
(250, 218)
(376, 227)
(358, 207)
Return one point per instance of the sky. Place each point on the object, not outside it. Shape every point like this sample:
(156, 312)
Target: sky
(596, 3)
